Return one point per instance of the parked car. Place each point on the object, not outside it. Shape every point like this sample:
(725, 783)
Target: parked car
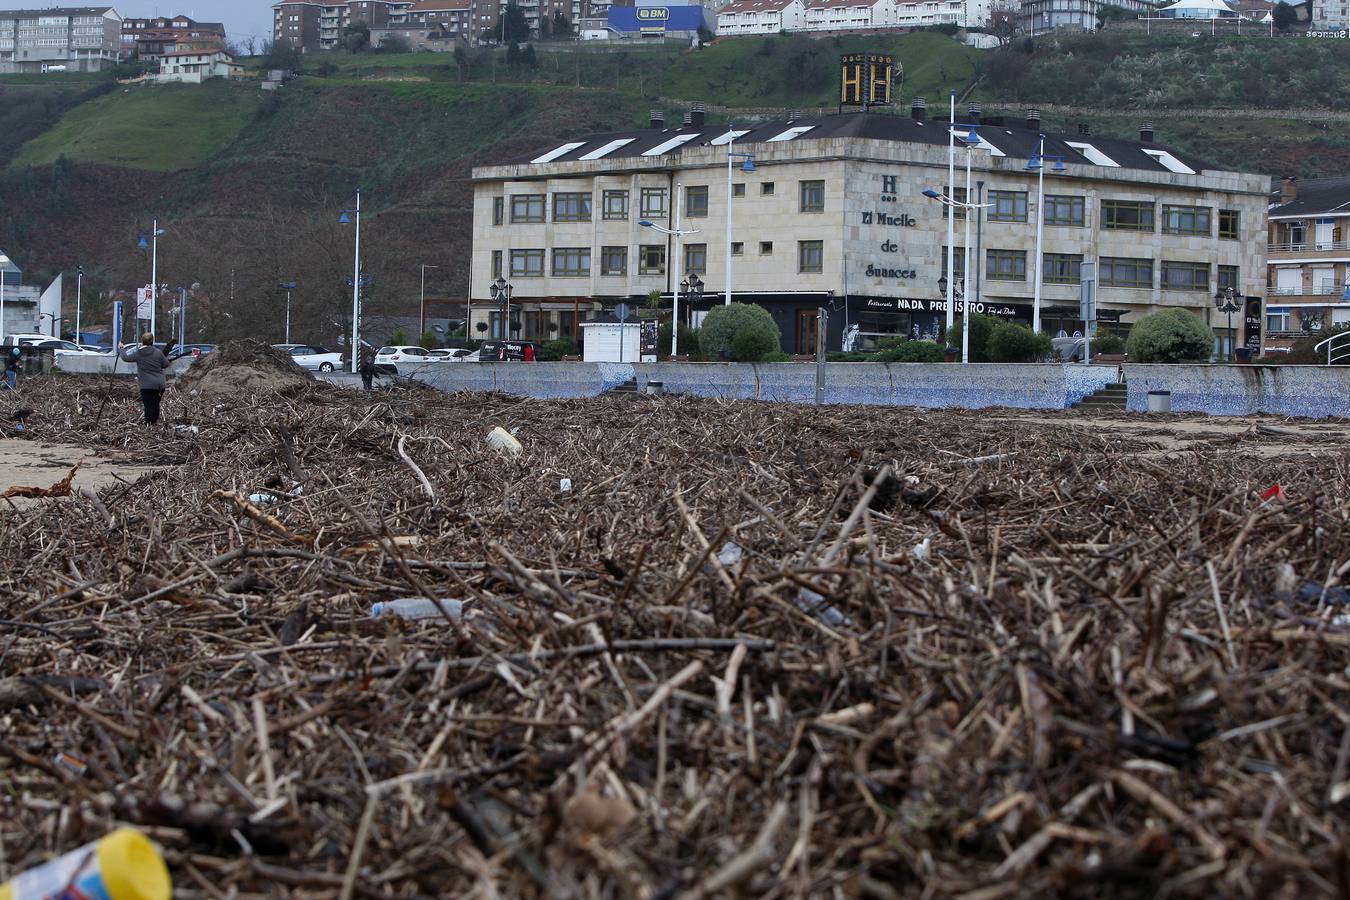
(311, 356)
(191, 350)
(456, 354)
(1070, 349)
(388, 358)
(21, 339)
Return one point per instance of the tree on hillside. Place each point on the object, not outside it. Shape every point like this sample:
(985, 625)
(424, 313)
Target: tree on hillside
(544, 29)
(527, 57)
(561, 27)
(1112, 13)
(1285, 16)
(514, 27)
(1004, 29)
(395, 43)
(356, 37)
(281, 55)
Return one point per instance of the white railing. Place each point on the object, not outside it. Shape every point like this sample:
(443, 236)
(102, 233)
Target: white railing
(1325, 289)
(1303, 246)
(1338, 347)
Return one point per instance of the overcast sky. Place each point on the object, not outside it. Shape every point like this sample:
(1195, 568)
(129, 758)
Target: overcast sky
(242, 18)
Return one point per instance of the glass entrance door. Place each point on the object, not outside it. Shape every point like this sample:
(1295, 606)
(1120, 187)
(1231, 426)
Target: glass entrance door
(806, 332)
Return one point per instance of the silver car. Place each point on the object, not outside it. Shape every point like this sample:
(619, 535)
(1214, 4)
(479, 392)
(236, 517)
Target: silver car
(312, 357)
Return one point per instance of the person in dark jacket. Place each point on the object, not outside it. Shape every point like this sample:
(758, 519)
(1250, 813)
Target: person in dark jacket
(151, 364)
(367, 365)
(13, 360)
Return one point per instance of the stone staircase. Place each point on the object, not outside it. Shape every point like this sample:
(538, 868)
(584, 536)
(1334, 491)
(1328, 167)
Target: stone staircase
(1111, 397)
(628, 387)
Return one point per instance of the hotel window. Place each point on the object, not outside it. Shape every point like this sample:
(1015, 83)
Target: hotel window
(738, 190)
(496, 263)
(1185, 276)
(1193, 220)
(810, 256)
(813, 196)
(571, 207)
(958, 259)
(766, 248)
(652, 259)
(1127, 215)
(1278, 318)
(1228, 278)
(653, 203)
(696, 259)
(616, 204)
(1063, 268)
(1008, 206)
(696, 201)
(737, 248)
(766, 189)
(957, 194)
(571, 262)
(1122, 272)
(498, 210)
(613, 260)
(1230, 223)
(527, 208)
(1005, 265)
(527, 263)
(1061, 209)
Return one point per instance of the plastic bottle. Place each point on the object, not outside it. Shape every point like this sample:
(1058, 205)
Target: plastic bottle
(122, 866)
(413, 608)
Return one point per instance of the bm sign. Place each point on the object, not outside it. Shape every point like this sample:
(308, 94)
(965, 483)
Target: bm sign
(653, 13)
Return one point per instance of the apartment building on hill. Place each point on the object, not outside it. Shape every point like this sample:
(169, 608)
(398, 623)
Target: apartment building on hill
(772, 16)
(76, 39)
(150, 39)
(1309, 259)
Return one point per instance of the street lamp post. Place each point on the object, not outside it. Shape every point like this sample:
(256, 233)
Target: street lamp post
(500, 290)
(288, 286)
(748, 166)
(693, 289)
(356, 282)
(153, 244)
(422, 306)
(1226, 301)
(79, 295)
(4, 265)
(972, 140)
(1037, 164)
(678, 233)
(951, 220)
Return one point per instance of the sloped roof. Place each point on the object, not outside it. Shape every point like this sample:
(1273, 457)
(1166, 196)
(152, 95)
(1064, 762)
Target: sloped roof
(737, 6)
(1011, 140)
(836, 4)
(1316, 195)
(439, 6)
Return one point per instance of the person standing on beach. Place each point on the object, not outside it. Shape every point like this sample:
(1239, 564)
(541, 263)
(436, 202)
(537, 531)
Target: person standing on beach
(367, 365)
(151, 363)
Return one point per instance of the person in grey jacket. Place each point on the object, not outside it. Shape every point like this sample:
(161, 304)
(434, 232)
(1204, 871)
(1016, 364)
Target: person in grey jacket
(151, 364)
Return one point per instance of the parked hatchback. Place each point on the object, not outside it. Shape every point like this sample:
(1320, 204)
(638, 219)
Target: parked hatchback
(312, 356)
(387, 359)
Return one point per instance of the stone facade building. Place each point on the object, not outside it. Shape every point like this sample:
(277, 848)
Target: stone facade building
(834, 214)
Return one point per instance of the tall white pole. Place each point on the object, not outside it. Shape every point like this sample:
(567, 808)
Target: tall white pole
(288, 315)
(422, 307)
(965, 267)
(951, 222)
(675, 278)
(728, 291)
(79, 292)
(4, 264)
(154, 271)
(356, 292)
(1040, 232)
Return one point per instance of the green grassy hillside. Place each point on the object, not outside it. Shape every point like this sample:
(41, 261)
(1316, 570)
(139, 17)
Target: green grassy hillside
(157, 127)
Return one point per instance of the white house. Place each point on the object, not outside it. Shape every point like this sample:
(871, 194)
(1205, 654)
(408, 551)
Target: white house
(761, 17)
(834, 15)
(196, 66)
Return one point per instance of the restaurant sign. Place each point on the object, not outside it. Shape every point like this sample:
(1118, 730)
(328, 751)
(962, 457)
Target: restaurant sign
(922, 305)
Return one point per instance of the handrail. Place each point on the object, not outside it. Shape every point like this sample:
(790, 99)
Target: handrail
(1330, 344)
(1305, 246)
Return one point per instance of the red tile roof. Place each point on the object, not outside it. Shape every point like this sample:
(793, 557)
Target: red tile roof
(755, 6)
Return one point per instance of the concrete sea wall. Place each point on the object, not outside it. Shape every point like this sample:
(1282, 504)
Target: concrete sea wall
(1313, 391)
(102, 364)
(1049, 386)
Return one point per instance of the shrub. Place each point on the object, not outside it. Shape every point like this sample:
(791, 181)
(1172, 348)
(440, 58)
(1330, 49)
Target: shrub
(912, 351)
(1013, 343)
(751, 344)
(1169, 336)
(724, 323)
(398, 337)
(688, 344)
(1303, 354)
(552, 351)
(428, 340)
(775, 356)
(1107, 343)
(981, 327)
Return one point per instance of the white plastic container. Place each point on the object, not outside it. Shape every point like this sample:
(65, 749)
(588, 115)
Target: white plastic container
(1160, 401)
(410, 608)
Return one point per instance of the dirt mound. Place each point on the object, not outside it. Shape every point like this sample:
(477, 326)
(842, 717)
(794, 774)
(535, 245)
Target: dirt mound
(246, 366)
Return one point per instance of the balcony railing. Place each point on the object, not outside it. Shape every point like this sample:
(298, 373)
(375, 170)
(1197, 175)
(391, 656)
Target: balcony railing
(1305, 246)
(1325, 289)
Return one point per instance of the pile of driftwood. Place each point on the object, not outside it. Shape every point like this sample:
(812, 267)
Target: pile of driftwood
(706, 649)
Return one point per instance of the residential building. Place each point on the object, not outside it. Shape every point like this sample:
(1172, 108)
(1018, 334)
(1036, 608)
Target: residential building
(834, 214)
(77, 39)
(1309, 258)
(149, 39)
(923, 13)
(1037, 16)
(21, 301)
(1331, 15)
(196, 66)
(311, 25)
(761, 17)
(835, 15)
